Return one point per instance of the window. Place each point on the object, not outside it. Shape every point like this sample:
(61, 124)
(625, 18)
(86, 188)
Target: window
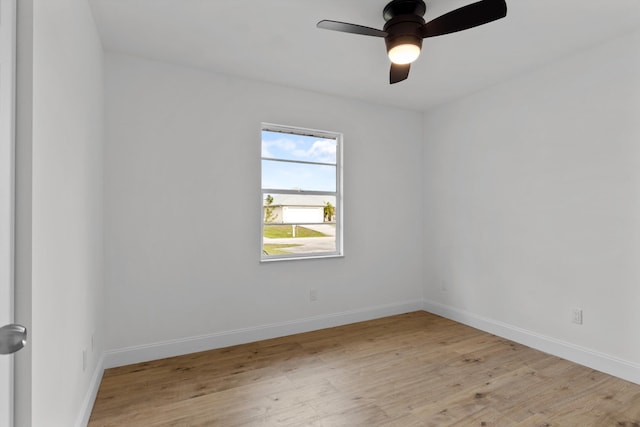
(301, 193)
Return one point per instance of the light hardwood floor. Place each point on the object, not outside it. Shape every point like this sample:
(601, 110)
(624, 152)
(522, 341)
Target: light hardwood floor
(415, 369)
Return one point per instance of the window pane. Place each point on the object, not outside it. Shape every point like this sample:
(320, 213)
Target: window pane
(299, 224)
(300, 181)
(286, 146)
(298, 176)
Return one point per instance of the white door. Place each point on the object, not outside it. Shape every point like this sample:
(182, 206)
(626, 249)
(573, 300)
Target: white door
(7, 91)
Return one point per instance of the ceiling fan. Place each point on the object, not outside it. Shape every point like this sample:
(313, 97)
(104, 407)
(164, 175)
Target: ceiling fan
(405, 28)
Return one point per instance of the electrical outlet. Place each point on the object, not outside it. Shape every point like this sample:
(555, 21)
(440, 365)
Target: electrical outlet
(576, 316)
(93, 342)
(84, 360)
(313, 295)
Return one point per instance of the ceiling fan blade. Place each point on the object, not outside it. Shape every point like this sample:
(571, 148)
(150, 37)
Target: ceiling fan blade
(345, 27)
(398, 73)
(466, 17)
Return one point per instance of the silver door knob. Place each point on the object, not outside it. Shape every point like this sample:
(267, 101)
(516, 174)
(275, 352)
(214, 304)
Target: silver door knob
(12, 338)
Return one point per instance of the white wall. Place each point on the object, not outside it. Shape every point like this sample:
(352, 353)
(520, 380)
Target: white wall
(23, 166)
(183, 152)
(59, 201)
(532, 205)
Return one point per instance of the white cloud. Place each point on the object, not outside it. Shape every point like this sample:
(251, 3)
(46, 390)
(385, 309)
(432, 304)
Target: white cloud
(285, 145)
(323, 151)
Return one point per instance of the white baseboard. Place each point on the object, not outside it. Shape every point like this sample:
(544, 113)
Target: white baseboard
(595, 360)
(161, 350)
(92, 392)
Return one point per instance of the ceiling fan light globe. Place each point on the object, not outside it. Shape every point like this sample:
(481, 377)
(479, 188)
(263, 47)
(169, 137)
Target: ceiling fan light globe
(404, 53)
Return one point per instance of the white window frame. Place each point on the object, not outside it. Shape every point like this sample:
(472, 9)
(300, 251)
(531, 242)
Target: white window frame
(338, 137)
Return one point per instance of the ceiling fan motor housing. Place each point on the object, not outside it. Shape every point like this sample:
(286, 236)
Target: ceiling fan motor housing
(403, 7)
(404, 29)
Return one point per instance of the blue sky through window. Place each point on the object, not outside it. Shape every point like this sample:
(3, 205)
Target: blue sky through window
(298, 176)
(298, 147)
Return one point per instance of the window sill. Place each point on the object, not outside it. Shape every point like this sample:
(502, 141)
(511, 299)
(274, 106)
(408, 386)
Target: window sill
(300, 258)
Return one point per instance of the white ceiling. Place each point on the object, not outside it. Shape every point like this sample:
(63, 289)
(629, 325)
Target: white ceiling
(277, 41)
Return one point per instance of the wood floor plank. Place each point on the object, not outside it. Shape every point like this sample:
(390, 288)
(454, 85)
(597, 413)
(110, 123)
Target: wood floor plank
(411, 370)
